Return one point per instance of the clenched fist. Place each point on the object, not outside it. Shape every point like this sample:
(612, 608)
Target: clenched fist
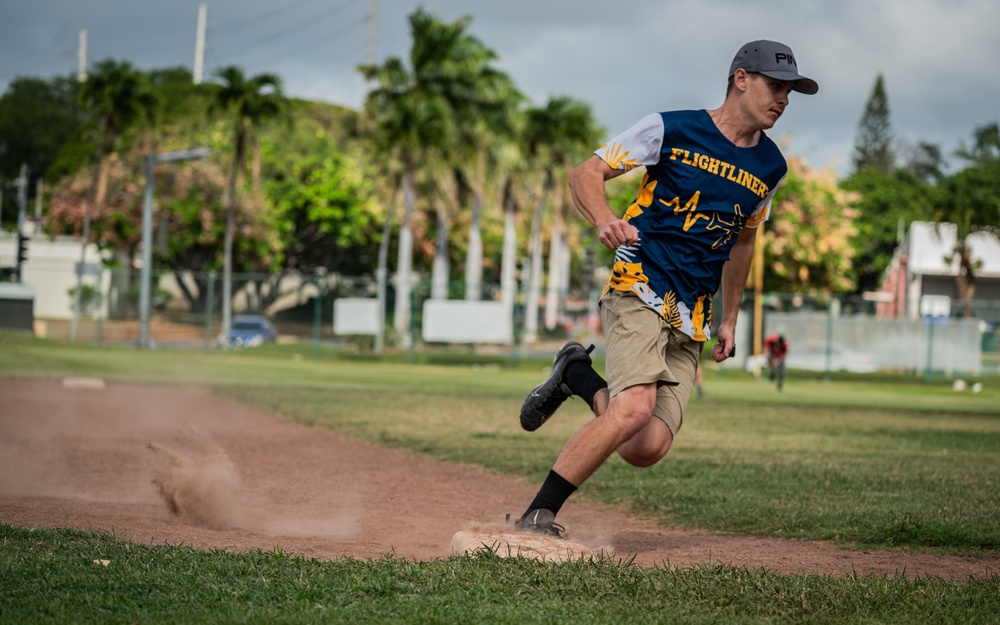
(618, 232)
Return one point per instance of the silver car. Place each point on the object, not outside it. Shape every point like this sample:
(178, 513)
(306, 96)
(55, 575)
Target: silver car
(251, 331)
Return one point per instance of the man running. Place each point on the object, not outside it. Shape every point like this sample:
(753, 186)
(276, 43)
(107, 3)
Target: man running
(710, 177)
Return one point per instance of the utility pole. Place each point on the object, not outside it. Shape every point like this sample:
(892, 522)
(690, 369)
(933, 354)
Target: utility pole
(199, 44)
(81, 74)
(147, 234)
(372, 32)
(38, 201)
(84, 238)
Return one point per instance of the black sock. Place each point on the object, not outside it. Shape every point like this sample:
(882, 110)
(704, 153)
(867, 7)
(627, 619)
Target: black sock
(552, 495)
(581, 378)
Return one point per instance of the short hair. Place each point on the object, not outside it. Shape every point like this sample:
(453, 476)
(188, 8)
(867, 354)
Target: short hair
(732, 82)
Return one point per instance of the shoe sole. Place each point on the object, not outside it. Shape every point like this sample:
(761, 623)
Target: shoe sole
(571, 352)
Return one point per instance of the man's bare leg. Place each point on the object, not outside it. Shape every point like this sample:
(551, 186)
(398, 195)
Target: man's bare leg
(626, 424)
(626, 415)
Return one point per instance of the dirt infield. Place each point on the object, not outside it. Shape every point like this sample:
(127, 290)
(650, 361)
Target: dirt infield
(159, 464)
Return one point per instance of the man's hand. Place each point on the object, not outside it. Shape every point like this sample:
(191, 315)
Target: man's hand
(618, 232)
(726, 346)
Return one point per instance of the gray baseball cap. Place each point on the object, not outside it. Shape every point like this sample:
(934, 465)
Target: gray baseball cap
(774, 60)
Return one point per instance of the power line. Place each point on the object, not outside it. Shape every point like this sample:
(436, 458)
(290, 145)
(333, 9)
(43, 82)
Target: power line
(166, 47)
(274, 36)
(232, 55)
(237, 32)
(260, 18)
(221, 30)
(326, 38)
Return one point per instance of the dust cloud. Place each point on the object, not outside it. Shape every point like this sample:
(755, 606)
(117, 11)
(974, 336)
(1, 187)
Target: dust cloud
(199, 485)
(202, 486)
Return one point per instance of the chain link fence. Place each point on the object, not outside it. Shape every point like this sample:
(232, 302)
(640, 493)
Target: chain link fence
(347, 312)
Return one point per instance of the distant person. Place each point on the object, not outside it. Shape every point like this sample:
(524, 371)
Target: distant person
(775, 349)
(709, 179)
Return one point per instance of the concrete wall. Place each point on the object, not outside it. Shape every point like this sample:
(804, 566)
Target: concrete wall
(50, 270)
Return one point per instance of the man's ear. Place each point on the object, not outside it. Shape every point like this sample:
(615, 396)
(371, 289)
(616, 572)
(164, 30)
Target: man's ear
(741, 78)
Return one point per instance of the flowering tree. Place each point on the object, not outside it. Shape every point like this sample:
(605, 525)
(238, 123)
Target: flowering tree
(808, 237)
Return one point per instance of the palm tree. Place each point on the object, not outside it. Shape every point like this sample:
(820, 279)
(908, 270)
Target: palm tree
(969, 199)
(484, 102)
(484, 147)
(116, 95)
(508, 259)
(408, 120)
(416, 113)
(456, 68)
(249, 102)
(556, 137)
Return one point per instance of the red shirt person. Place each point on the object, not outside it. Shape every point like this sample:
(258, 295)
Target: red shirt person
(776, 348)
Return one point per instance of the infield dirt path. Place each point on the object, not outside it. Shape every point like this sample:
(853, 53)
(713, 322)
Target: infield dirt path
(160, 464)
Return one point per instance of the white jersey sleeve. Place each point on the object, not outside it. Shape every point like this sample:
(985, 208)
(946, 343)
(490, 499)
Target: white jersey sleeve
(638, 146)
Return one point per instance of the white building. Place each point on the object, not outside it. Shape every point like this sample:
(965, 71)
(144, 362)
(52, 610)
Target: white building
(51, 271)
(922, 278)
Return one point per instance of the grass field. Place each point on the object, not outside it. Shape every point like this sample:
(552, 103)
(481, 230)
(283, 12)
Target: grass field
(49, 577)
(881, 462)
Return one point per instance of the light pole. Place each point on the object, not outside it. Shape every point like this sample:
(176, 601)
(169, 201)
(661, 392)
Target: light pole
(147, 232)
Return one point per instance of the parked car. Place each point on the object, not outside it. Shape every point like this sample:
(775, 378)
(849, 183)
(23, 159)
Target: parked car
(251, 331)
(811, 356)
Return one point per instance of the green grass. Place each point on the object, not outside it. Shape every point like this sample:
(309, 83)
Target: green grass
(884, 462)
(49, 576)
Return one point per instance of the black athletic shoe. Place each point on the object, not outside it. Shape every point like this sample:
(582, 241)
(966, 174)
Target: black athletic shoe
(550, 394)
(539, 522)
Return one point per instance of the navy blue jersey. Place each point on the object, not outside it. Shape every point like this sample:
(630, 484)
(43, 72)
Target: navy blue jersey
(699, 191)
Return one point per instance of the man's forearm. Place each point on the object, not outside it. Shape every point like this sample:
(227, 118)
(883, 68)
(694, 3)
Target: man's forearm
(586, 185)
(735, 274)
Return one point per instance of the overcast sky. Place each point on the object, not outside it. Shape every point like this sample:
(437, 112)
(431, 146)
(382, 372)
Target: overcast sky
(939, 58)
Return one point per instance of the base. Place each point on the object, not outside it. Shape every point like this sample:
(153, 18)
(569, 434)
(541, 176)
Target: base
(509, 544)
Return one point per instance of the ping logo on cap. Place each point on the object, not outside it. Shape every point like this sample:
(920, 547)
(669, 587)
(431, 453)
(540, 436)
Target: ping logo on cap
(782, 57)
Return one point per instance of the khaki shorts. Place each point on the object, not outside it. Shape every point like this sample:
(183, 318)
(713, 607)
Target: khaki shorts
(642, 348)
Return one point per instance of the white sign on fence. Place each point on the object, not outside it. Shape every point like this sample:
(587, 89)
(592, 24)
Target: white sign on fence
(935, 306)
(461, 321)
(356, 315)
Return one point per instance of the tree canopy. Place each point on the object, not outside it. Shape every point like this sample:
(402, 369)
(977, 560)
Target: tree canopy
(808, 236)
(873, 143)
